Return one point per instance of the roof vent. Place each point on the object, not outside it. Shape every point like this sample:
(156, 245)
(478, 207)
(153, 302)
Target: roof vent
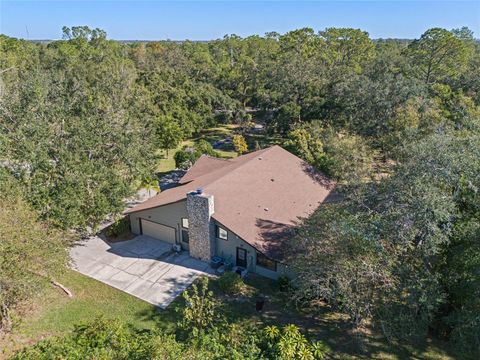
(259, 158)
(266, 209)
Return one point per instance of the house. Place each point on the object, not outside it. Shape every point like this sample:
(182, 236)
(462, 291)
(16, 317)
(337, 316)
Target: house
(240, 209)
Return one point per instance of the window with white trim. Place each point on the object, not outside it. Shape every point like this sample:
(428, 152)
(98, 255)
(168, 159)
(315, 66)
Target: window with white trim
(221, 233)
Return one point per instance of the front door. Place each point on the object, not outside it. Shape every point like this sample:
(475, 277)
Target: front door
(185, 239)
(241, 257)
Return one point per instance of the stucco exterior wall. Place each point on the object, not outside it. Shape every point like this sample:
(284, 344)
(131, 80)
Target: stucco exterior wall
(172, 214)
(169, 215)
(227, 249)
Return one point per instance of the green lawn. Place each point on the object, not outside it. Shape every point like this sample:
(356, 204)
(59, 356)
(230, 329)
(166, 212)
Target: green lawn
(54, 313)
(167, 163)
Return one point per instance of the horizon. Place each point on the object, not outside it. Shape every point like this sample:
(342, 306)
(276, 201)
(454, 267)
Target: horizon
(210, 20)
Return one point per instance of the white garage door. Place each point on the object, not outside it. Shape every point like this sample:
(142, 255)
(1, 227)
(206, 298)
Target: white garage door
(158, 231)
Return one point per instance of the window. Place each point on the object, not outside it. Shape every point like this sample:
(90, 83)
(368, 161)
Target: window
(185, 223)
(266, 262)
(185, 238)
(222, 233)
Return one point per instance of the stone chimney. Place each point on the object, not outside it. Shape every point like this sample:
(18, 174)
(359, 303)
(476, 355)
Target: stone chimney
(201, 231)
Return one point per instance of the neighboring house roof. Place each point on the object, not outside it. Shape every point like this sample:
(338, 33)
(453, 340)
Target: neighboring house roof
(260, 196)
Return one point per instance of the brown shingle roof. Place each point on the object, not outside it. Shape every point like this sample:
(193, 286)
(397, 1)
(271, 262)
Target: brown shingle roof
(204, 165)
(260, 196)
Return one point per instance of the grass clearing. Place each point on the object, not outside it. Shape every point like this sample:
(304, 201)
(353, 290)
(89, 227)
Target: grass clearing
(167, 162)
(263, 140)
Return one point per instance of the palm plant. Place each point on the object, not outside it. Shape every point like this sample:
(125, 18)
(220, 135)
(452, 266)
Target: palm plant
(151, 183)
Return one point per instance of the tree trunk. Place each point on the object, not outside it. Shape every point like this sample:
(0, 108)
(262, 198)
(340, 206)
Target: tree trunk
(65, 290)
(5, 320)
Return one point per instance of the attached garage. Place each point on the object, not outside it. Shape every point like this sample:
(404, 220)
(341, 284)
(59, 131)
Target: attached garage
(158, 231)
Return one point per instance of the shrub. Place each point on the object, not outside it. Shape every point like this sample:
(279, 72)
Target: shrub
(183, 159)
(203, 147)
(284, 283)
(199, 312)
(231, 283)
(105, 339)
(112, 339)
(186, 157)
(289, 343)
(119, 227)
(240, 144)
(303, 143)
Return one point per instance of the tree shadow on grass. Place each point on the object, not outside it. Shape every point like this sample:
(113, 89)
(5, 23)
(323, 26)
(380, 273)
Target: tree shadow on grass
(317, 321)
(164, 319)
(320, 322)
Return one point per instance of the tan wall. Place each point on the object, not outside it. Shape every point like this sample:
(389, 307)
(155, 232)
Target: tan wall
(169, 215)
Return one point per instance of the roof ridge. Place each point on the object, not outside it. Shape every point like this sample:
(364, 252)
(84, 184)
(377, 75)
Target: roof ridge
(240, 165)
(205, 157)
(217, 158)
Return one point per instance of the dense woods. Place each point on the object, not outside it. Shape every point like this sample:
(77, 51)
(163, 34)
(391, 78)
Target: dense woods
(395, 122)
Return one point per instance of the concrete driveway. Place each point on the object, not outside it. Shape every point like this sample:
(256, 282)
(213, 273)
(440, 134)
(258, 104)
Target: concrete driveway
(143, 267)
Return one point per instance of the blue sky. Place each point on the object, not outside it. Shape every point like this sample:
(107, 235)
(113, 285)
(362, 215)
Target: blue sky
(203, 20)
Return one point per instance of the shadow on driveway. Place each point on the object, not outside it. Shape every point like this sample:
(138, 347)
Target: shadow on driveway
(143, 267)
